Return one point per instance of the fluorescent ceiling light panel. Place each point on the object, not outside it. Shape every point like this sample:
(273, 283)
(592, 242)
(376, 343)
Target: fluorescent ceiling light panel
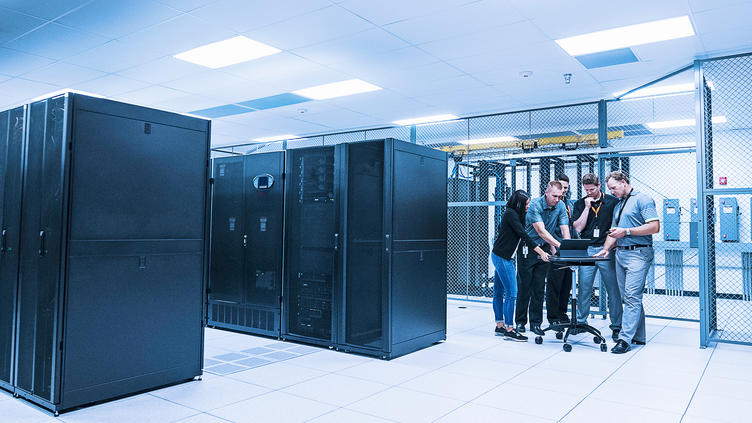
(276, 138)
(660, 90)
(491, 140)
(681, 122)
(628, 36)
(337, 89)
(426, 119)
(228, 52)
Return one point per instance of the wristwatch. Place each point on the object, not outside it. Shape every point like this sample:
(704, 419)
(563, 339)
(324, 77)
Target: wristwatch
(628, 232)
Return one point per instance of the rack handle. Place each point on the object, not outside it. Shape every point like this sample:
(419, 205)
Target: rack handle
(42, 243)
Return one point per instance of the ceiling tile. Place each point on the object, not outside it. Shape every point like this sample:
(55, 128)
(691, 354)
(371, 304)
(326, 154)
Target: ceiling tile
(110, 85)
(56, 41)
(724, 18)
(685, 49)
(286, 71)
(577, 17)
(702, 5)
(176, 36)
(186, 5)
(23, 88)
(456, 21)
(186, 103)
(15, 24)
(341, 119)
(489, 42)
(222, 86)
(63, 74)
(390, 11)
(114, 56)
(149, 95)
(362, 45)
(311, 28)
(244, 15)
(44, 9)
(118, 18)
(162, 70)
(16, 63)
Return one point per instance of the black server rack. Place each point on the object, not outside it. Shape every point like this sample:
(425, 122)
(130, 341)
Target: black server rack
(112, 252)
(366, 247)
(11, 173)
(245, 282)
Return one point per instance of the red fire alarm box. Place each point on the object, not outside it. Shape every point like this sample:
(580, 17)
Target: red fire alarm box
(722, 180)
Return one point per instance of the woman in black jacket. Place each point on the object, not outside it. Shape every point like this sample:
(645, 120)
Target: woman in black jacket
(511, 232)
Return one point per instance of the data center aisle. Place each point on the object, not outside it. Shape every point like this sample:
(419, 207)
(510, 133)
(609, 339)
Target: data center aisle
(474, 376)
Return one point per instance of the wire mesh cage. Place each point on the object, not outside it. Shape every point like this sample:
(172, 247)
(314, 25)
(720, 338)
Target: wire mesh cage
(726, 113)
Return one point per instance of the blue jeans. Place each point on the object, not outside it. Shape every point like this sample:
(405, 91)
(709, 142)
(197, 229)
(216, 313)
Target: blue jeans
(632, 268)
(586, 276)
(505, 290)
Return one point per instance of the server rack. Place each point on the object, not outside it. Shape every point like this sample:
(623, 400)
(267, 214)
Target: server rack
(112, 252)
(245, 282)
(366, 247)
(11, 173)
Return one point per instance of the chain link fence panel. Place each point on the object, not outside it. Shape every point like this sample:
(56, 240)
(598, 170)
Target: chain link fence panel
(727, 189)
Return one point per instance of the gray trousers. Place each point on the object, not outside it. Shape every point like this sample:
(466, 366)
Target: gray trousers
(632, 268)
(585, 279)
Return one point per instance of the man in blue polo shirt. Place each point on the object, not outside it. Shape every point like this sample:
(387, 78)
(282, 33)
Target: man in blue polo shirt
(634, 223)
(544, 216)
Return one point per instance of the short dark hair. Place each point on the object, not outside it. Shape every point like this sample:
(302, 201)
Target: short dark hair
(562, 177)
(590, 179)
(518, 201)
(619, 176)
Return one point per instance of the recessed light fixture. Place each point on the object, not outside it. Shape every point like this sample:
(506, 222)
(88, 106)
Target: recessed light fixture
(660, 90)
(492, 140)
(276, 138)
(425, 119)
(681, 122)
(228, 52)
(337, 89)
(628, 36)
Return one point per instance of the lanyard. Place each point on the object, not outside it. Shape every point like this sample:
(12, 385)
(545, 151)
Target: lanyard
(621, 210)
(569, 213)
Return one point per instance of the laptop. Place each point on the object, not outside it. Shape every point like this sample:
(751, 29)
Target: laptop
(574, 248)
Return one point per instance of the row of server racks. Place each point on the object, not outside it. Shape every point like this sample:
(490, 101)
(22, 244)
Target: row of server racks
(103, 250)
(341, 246)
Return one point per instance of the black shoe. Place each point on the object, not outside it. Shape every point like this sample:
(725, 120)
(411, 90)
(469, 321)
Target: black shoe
(499, 331)
(513, 335)
(636, 342)
(615, 335)
(520, 328)
(621, 347)
(564, 319)
(536, 329)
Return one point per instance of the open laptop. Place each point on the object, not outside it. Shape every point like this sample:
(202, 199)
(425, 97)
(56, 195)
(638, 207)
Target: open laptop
(574, 252)
(574, 248)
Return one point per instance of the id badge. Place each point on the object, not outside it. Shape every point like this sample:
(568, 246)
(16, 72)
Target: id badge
(524, 250)
(596, 233)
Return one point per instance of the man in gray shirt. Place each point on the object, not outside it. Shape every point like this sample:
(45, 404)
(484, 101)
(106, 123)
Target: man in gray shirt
(634, 223)
(544, 216)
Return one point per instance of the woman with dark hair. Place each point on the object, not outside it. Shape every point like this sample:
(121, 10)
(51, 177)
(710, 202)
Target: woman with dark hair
(511, 231)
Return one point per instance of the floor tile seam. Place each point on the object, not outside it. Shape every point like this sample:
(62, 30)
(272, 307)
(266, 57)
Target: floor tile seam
(354, 411)
(203, 412)
(215, 408)
(636, 353)
(639, 405)
(689, 403)
(426, 371)
(386, 388)
(492, 388)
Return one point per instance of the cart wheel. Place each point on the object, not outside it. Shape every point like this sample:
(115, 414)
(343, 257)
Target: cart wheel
(559, 335)
(604, 347)
(597, 339)
(567, 347)
(539, 340)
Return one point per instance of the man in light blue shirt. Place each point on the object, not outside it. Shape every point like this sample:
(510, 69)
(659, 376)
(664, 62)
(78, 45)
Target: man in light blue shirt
(545, 215)
(634, 223)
